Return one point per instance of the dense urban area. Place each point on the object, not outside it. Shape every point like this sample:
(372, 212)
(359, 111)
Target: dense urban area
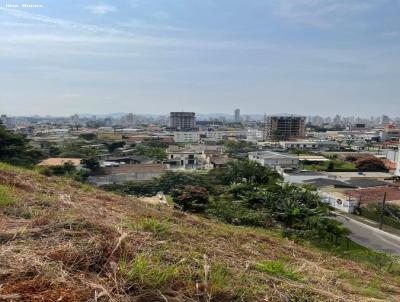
(199, 207)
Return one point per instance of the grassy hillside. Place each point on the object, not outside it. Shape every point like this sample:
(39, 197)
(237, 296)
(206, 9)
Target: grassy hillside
(64, 241)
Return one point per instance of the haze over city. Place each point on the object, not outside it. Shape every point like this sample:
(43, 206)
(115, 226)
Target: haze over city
(310, 57)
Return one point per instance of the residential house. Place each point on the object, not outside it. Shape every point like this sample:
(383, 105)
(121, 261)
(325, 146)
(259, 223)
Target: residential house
(278, 161)
(190, 157)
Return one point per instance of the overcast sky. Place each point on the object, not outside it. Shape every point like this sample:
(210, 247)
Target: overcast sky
(154, 56)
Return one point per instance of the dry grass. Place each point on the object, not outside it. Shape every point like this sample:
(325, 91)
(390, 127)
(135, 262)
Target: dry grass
(82, 244)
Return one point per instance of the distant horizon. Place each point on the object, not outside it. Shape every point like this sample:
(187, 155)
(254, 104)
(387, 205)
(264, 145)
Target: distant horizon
(211, 114)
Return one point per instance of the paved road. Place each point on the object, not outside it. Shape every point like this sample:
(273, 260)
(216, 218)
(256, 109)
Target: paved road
(371, 237)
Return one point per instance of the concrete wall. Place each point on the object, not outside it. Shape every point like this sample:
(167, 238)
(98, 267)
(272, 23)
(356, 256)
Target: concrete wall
(122, 177)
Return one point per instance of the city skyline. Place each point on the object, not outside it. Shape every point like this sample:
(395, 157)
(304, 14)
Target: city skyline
(304, 57)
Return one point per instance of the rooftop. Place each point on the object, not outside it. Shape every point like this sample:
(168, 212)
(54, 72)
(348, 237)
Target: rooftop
(270, 154)
(325, 182)
(312, 158)
(357, 175)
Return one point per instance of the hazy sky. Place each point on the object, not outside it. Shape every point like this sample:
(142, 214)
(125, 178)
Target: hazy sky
(155, 56)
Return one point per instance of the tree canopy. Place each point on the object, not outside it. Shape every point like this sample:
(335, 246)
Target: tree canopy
(15, 149)
(370, 163)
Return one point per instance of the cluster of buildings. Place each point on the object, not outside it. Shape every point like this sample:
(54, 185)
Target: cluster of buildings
(283, 142)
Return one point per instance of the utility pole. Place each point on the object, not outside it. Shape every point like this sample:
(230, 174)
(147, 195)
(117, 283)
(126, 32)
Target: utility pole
(382, 212)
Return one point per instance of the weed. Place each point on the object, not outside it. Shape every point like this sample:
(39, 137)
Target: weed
(7, 196)
(11, 168)
(148, 272)
(153, 226)
(373, 289)
(278, 268)
(219, 277)
(25, 212)
(86, 187)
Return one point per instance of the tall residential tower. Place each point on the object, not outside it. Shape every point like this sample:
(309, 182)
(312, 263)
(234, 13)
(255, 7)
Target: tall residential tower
(182, 120)
(284, 127)
(237, 115)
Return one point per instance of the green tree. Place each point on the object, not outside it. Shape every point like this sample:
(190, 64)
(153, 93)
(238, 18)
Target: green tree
(156, 153)
(246, 172)
(87, 136)
(370, 163)
(143, 188)
(65, 169)
(75, 150)
(15, 149)
(331, 166)
(115, 145)
(191, 198)
(173, 180)
(91, 163)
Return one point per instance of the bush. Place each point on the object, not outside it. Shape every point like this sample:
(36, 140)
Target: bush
(370, 163)
(144, 188)
(61, 170)
(170, 181)
(87, 136)
(191, 198)
(235, 212)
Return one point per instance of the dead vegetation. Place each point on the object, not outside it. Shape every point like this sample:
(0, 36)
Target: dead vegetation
(63, 241)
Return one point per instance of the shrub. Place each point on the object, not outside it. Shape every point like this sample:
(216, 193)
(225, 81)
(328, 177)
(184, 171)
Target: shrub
(191, 198)
(143, 188)
(235, 212)
(61, 170)
(370, 163)
(219, 278)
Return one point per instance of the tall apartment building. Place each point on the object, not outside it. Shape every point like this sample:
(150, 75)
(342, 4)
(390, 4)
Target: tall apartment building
(284, 127)
(237, 115)
(182, 120)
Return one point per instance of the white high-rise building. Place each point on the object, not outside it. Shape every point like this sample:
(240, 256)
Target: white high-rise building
(237, 115)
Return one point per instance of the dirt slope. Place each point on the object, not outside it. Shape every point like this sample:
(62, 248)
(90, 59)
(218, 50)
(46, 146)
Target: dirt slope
(64, 241)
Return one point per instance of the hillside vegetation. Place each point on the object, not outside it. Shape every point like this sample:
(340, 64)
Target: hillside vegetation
(61, 240)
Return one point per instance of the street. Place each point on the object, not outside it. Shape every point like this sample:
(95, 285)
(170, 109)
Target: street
(371, 237)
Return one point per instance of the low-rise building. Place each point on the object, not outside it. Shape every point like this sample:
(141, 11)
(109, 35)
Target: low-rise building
(275, 160)
(339, 201)
(186, 137)
(191, 157)
(254, 135)
(310, 145)
(390, 133)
